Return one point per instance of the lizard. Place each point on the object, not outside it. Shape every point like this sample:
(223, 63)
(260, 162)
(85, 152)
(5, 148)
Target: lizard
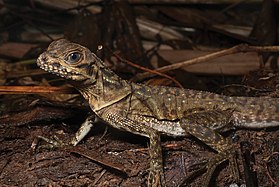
(152, 111)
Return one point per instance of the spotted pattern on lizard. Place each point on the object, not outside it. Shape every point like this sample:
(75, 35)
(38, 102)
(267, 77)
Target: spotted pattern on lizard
(154, 110)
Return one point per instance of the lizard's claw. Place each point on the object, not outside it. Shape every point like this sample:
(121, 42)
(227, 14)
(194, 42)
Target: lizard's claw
(79, 135)
(53, 143)
(156, 179)
(209, 168)
(214, 162)
(198, 166)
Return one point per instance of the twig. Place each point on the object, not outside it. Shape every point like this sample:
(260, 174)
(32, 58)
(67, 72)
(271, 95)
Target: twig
(35, 90)
(99, 177)
(236, 49)
(147, 70)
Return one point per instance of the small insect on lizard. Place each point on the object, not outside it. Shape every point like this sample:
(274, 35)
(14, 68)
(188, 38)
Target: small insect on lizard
(154, 110)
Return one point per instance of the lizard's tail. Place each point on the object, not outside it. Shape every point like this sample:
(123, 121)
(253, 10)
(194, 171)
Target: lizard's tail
(252, 112)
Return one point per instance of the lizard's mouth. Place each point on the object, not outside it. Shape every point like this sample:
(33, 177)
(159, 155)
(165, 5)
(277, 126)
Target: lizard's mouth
(55, 68)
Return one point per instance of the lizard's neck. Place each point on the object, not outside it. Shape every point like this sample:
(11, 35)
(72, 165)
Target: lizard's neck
(105, 89)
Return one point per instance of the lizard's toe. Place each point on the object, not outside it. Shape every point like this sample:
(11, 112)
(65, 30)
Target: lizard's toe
(53, 143)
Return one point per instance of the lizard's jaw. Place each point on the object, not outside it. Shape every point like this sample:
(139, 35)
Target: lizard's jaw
(55, 68)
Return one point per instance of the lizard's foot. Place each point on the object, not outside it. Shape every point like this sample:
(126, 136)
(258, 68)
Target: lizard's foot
(53, 143)
(209, 168)
(156, 179)
(213, 163)
(201, 165)
(197, 169)
(79, 135)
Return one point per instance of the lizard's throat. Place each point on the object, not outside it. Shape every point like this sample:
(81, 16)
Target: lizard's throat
(105, 91)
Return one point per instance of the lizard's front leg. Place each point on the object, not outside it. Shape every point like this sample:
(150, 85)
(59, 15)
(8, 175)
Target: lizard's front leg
(156, 175)
(200, 126)
(83, 130)
(79, 135)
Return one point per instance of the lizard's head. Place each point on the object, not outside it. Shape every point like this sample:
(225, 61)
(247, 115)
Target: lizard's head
(69, 60)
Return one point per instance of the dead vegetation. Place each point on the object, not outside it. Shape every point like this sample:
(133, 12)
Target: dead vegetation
(192, 44)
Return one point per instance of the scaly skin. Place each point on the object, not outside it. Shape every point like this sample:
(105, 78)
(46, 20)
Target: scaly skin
(151, 111)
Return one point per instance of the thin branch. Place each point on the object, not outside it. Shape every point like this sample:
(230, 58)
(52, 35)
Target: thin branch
(148, 70)
(36, 90)
(236, 49)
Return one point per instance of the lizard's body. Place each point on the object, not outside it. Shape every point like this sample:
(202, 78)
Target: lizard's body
(151, 111)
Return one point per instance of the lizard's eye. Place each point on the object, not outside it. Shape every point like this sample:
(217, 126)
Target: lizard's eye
(73, 57)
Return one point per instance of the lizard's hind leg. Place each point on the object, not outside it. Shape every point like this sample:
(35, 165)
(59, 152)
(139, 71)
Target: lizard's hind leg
(201, 128)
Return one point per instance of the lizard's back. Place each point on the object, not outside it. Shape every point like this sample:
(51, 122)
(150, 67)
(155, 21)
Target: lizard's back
(162, 107)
